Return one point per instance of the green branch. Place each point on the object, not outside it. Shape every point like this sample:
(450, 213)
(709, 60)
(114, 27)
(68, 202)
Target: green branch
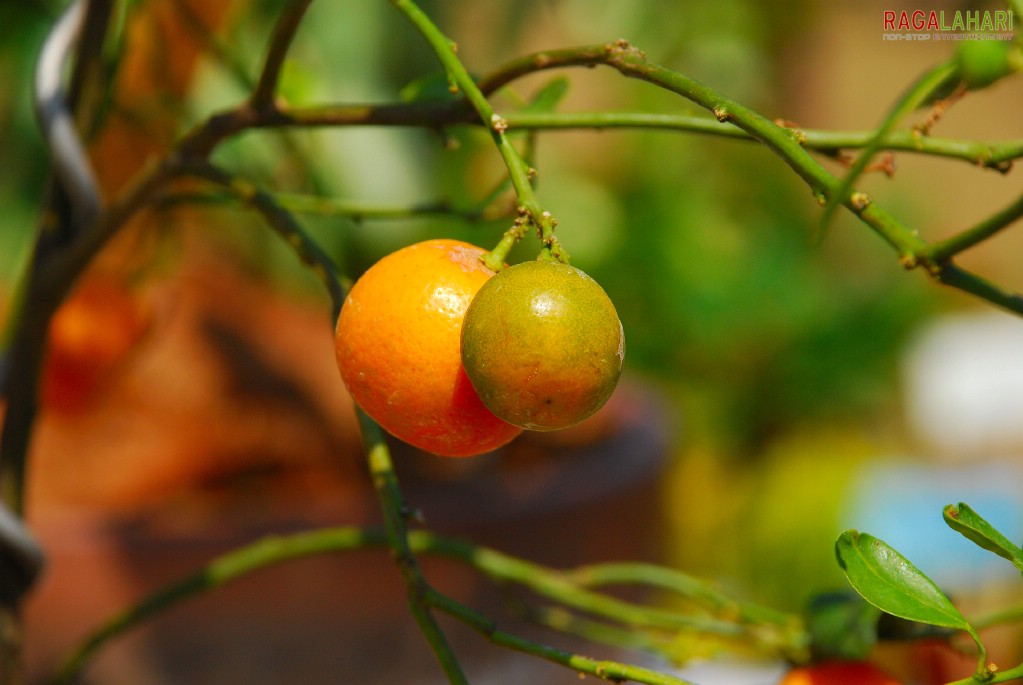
(915, 97)
(601, 632)
(1005, 676)
(392, 504)
(793, 146)
(787, 144)
(782, 141)
(219, 572)
(519, 172)
(996, 155)
(559, 587)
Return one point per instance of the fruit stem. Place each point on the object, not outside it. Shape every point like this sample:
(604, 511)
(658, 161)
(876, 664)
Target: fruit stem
(495, 259)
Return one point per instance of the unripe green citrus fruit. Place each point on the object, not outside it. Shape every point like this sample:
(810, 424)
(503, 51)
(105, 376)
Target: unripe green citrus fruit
(542, 345)
(982, 62)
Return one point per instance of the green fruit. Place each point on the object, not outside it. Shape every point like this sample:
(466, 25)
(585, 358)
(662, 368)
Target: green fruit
(982, 62)
(543, 345)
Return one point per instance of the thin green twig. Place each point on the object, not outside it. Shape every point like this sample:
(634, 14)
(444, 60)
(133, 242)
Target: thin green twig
(682, 584)
(607, 670)
(997, 155)
(601, 632)
(911, 100)
(519, 171)
(969, 237)
(563, 588)
(222, 570)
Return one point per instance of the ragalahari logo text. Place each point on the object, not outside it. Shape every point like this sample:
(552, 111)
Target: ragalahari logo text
(948, 24)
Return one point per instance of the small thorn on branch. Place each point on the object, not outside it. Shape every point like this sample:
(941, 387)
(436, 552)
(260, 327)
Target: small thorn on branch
(498, 123)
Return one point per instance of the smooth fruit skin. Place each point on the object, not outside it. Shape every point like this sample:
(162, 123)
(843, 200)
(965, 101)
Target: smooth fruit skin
(543, 345)
(838, 673)
(397, 348)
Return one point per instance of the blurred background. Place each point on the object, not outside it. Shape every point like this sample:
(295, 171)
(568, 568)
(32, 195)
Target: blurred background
(782, 384)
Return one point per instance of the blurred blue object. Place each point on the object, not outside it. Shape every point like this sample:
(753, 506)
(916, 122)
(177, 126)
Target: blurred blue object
(901, 502)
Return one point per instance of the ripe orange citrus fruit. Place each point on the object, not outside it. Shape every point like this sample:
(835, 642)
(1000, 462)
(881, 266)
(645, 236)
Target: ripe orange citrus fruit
(543, 345)
(838, 673)
(397, 347)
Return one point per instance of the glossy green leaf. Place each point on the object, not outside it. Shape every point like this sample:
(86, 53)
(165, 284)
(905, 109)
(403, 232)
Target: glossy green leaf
(963, 519)
(890, 582)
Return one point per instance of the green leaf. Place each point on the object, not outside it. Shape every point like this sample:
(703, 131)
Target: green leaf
(432, 87)
(983, 62)
(549, 96)
(890, 582)
(962, 519)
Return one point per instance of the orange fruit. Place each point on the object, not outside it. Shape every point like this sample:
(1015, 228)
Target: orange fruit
(543, 345)
(397, 347)
(89, 335)
(838, 673)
